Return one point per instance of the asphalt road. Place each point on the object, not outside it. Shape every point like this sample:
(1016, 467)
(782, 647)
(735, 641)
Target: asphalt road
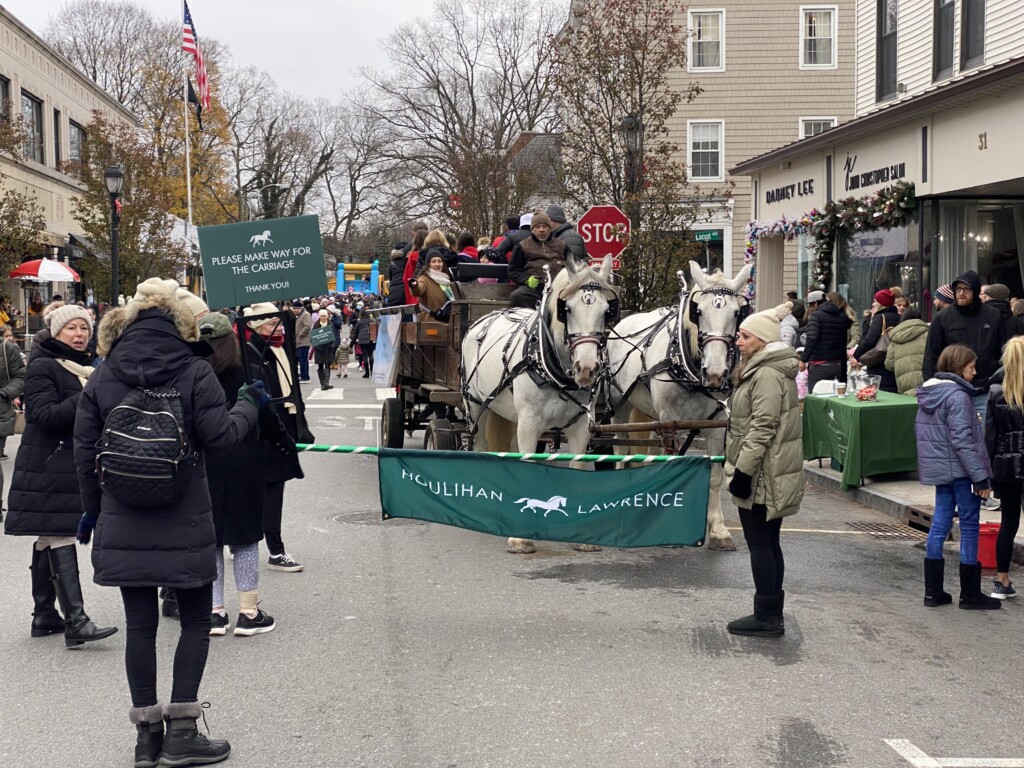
(409, 645)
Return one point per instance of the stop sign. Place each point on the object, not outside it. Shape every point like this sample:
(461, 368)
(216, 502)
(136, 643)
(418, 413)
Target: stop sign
(605, 231)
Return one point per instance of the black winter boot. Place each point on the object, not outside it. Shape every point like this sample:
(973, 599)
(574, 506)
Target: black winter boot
(183, 743)
(149, 723)
(78, 628)
(766, 621)
(45, 619)
(169, 607)
(934, 574)
(971, 598)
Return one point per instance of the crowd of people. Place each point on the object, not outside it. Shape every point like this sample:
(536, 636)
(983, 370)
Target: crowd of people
(966, 368)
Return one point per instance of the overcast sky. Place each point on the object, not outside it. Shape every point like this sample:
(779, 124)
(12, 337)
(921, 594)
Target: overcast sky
(311, 47)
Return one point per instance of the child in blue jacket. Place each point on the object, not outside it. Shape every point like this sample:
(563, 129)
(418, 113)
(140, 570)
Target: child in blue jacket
(951, 455)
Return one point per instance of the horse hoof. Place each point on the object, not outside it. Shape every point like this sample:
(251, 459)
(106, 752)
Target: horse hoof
(521, 547)
(586, 547)
(721, 544)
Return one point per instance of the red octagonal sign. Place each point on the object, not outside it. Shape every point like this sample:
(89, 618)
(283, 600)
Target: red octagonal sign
(605, 231)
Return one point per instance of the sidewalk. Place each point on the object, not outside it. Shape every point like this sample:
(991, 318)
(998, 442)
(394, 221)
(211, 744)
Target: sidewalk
(899, 496)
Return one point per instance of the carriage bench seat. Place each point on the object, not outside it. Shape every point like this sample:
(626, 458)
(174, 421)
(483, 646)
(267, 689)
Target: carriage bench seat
(438, 393)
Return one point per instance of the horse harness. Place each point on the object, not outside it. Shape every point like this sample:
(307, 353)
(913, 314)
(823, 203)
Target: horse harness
(540, 360)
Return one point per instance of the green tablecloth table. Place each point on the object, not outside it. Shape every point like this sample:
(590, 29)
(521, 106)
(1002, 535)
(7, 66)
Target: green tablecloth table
(867, 438)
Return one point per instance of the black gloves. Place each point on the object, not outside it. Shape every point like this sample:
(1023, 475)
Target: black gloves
(443, 313)
(741, 486)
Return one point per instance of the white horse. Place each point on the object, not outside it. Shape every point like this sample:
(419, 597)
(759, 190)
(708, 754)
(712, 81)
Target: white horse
(675, 363)
(536, 369)
(261, 239)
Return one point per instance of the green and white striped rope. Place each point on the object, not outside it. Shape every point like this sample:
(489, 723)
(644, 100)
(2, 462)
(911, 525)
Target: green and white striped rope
(586, 457)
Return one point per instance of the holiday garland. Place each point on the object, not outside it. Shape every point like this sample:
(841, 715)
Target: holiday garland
(885, 209)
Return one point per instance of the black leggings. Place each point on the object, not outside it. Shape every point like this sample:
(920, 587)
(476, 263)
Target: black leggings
(762, 537)
(142, 615)
(273, 508)
(1010, 496)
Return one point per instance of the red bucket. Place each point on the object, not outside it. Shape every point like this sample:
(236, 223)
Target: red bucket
(987, 533)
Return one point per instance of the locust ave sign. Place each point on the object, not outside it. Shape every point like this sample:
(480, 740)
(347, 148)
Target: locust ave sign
(605, 232)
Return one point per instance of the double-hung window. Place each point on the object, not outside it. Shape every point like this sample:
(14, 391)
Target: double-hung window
(706, 149)
(942, 41)
(32, 112)
(76, 141)
(972, 36)
(812, 126)
(885, 52)
(818, 37)
(707, 40)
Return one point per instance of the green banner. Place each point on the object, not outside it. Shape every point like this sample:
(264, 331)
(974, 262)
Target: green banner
(322, 335)
(266, 260)
(637, 507)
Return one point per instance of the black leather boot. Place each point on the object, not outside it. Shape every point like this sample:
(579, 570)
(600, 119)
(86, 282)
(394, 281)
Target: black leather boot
(765, 622)
(183, 743)
(934, 574)
(971, 598)
(169, 606)
(78, 628)
(45, 619)
(149, 725)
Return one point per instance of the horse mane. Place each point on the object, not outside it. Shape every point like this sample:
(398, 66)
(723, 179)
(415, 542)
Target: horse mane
(564, 287)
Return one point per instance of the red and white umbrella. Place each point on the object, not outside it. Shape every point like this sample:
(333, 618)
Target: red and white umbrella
(45, 271)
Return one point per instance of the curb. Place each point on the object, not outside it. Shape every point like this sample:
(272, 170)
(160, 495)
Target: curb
(888, 504)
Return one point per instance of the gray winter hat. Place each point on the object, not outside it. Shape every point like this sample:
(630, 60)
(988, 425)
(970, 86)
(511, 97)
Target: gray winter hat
(557, 214)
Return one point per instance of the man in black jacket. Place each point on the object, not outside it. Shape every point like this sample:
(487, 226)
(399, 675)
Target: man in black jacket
(998, 295)
(974, 324)
(506, 246)
(567, 233)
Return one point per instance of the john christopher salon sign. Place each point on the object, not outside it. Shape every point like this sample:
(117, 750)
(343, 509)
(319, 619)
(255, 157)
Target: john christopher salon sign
(264, 260)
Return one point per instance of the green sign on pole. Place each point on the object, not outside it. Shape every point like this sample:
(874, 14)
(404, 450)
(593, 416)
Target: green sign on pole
(708, 236)
(266, 260)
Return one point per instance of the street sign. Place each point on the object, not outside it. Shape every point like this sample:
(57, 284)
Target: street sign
(708, 235)
(266, 260)
(616, 264)
(605, 231)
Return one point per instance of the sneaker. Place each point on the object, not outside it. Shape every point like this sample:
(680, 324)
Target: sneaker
(220, 625)
(992, 504)
(285, 563)
(999, 592)
(262, 622)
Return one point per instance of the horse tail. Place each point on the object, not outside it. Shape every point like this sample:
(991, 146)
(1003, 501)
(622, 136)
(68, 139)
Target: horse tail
(520, 501)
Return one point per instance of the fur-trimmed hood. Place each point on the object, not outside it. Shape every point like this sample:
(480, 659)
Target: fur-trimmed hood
(116, 321)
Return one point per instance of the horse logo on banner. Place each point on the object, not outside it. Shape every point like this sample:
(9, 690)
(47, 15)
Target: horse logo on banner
(554, 504)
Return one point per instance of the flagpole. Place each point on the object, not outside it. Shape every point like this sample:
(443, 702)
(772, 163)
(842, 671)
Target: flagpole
(188, 151)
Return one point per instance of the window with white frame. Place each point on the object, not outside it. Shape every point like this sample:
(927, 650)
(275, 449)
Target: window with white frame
(32, 112)
(705, 150)
(707, 40)
(818, 45)
(812, 126)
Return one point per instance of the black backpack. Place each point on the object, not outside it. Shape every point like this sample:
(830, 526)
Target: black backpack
(144, 457)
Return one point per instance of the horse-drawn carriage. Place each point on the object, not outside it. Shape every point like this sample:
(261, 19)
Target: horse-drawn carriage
(495, 378)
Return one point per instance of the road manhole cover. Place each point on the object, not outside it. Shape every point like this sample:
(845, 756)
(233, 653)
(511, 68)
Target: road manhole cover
(371, 518)
(886, 531)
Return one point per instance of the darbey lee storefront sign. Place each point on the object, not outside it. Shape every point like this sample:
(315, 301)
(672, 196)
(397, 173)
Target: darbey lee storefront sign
(789, 191)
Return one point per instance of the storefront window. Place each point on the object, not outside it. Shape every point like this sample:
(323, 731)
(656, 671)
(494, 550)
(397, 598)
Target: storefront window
(805, 265)
(870, 261)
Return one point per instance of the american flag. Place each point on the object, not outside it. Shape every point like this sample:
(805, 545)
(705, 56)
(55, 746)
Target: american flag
(190, 44)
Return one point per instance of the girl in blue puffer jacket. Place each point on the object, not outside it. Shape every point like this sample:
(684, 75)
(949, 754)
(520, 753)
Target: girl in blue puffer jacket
(951, 456)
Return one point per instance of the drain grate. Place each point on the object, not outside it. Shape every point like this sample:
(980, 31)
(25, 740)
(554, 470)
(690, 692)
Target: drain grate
(371, 518)
(886, 531)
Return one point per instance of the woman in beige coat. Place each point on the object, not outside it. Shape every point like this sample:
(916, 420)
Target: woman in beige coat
(764, 455)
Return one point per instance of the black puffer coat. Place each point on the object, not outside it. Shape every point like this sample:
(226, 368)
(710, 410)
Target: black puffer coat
(12, 385)
(44, 498)
(145, 345)
(396, 284)
(825, 334)
(573, 241)
(265, 366)
(236, 478)
(890, 316)
(1004, 434)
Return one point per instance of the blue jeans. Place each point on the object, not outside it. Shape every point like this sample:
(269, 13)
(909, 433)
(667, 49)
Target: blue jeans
(302, 353)
(959, 496)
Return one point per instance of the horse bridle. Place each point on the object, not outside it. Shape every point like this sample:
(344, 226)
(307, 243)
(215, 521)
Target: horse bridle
(703, 339)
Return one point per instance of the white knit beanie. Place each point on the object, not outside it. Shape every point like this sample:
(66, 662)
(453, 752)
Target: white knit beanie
(195, 305)
(61, 316)
(765, 325)
(154, 286)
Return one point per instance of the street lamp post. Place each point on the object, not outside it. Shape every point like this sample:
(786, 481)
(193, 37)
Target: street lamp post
(114, 178)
